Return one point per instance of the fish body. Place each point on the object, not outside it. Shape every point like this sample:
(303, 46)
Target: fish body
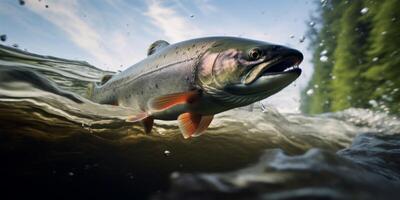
(191, 81)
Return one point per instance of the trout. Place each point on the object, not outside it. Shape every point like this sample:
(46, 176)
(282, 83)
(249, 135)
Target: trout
(193, 80)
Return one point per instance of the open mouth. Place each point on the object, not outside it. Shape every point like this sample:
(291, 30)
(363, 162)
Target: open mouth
(278, 65)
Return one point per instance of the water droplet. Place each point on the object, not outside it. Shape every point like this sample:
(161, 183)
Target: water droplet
(324, 52)
(310, 92)
(301, 40)
(316, 86)
(167, 153)
(323, 58)
(375, 59)
(47, 6)
(312, 24)
(263, 107)
(333, 77)
(364, 10)
(71, 173)
(15, 45)
(383, 33)
(3, 37)
(393, 19)
(21, 2)
(191, 16)
(291, 36)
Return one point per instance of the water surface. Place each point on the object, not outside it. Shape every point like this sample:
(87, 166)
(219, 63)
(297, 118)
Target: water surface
(56, 143)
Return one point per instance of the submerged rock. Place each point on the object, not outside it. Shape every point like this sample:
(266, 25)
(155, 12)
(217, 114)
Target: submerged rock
(368, 169)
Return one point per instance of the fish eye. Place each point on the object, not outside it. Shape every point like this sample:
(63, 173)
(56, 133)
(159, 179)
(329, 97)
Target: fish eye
(255, 54)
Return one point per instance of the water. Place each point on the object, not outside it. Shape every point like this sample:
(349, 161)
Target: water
(55, 143)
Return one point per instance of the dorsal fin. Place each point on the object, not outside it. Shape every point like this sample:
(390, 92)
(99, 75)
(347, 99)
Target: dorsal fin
(105, 78)
(156, 46)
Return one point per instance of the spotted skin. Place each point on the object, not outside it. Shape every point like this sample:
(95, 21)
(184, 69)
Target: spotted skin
(199, 72)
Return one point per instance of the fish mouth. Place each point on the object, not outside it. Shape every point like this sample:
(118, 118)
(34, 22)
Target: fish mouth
(279, 65)
(269, 77)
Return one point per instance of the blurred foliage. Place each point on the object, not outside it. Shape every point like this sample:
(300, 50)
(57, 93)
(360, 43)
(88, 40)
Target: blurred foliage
(356, 57)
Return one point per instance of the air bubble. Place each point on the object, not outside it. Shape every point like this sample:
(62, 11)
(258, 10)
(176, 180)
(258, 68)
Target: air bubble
(167, 153)
(323, 58)
(373, 103)
(364, 10)
(310, 92)
(301, 40)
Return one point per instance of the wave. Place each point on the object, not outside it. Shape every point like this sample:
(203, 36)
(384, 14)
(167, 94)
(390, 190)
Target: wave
(264, 153)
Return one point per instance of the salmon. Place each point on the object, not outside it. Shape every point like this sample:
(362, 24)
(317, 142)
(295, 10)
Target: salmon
(193, 80)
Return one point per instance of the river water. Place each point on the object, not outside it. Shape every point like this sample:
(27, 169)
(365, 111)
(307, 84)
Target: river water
(55, 143)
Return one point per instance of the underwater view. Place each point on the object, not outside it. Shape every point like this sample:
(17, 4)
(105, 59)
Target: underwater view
(200, 99)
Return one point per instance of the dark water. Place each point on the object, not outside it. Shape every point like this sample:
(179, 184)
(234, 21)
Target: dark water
(57, 144)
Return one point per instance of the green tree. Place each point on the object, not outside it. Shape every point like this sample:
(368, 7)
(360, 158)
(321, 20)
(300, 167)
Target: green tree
(362, 41)
(350, 57)
(323, 43)
(384, 69)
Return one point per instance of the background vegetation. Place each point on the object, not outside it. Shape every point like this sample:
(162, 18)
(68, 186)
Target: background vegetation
(356, 56)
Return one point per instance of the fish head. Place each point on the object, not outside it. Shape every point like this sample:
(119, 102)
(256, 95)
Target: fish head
(244, 71)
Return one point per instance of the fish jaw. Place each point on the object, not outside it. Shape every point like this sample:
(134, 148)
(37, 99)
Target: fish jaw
(266, 85)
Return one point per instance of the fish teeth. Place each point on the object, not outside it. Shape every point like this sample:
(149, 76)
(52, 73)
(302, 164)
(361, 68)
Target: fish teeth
(289, 68)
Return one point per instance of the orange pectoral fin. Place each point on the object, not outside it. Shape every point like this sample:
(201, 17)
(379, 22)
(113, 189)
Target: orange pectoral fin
(167, 101)
(192, 125)
(203, 125)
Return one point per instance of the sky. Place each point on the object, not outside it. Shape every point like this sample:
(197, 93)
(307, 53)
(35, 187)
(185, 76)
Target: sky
(115, 34)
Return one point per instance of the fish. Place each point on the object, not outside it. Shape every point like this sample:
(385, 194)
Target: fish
(193, 80)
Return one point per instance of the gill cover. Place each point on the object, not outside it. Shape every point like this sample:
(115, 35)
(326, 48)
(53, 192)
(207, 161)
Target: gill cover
(219, 69)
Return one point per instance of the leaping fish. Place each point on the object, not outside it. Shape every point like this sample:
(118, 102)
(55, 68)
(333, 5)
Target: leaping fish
(193, 80)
